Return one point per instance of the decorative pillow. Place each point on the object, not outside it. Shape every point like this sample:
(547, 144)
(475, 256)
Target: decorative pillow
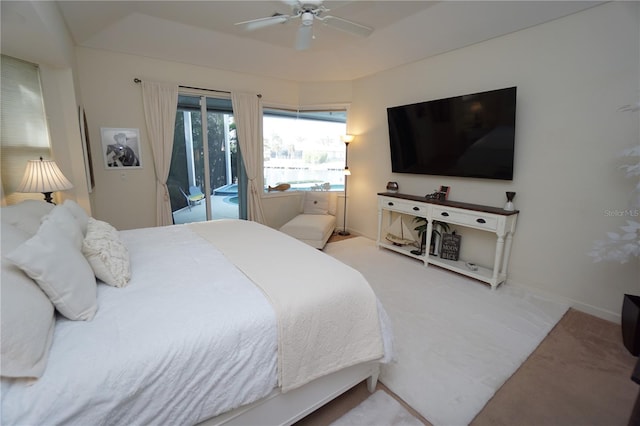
(26, 215)
(78, 213)
(316, 202)
(106, 253)
(52, 259)
(27, 316)
(67, 223)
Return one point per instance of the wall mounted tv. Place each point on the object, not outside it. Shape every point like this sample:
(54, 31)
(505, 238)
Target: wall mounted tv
(468, 136)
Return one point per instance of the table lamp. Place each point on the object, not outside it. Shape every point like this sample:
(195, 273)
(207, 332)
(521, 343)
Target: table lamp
(43, 176)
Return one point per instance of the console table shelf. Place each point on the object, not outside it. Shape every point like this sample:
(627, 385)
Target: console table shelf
(484, 218)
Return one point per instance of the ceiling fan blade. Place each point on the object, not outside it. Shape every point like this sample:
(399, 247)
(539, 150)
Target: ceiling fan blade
(348, 26)
(304, 36)
(256, 24)
(291, 3)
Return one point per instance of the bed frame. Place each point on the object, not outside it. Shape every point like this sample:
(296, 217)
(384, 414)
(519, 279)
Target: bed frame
(279, 408)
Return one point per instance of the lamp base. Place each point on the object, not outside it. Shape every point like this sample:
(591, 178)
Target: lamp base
(47, 197)
(343, 233)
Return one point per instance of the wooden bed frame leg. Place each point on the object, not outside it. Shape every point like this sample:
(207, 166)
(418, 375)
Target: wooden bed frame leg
(372, 381)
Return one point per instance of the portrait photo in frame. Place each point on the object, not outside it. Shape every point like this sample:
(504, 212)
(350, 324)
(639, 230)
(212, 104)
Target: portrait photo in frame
(121, 148)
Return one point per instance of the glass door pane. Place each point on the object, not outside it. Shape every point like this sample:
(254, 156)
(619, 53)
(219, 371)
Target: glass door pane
(212, 195)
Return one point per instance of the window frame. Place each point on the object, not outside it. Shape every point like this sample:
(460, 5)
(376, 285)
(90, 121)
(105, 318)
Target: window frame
(297, 110)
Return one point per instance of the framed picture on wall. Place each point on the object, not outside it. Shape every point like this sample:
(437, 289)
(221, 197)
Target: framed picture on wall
(121, 148)
(86, 149)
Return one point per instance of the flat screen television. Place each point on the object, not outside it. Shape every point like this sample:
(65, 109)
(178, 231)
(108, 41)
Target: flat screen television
(469, 136)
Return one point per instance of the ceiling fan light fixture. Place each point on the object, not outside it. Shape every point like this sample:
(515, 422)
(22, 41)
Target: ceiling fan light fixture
(306, 18)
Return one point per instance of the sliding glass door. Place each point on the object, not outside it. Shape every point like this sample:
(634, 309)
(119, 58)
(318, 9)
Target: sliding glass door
(206, 175)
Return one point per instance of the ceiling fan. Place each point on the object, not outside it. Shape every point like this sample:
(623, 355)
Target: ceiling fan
(308, 11)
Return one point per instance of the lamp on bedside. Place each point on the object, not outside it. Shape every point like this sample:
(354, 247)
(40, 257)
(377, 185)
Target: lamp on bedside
(43, 176)
(346, 139)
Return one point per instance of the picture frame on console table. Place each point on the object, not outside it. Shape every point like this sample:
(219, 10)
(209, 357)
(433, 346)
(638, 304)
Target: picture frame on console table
(444, 190)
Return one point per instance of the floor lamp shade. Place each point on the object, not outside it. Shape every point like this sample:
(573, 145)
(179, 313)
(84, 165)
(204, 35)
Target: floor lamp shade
(43, 176)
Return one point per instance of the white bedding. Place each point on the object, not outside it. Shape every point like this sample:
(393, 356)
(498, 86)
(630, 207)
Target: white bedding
(200, 339)
(326, 311)
(183, 294)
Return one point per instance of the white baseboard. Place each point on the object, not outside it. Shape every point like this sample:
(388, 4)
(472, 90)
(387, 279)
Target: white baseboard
(575, 304)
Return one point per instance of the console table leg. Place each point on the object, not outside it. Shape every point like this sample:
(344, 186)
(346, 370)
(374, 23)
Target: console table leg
(497, 263)
(507, 253)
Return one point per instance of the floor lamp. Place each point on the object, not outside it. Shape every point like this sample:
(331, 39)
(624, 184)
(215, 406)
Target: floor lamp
(347, 173)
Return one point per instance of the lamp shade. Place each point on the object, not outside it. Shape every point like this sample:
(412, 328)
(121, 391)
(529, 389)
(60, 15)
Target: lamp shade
(347, 172)
(43, 176)
(347, 138)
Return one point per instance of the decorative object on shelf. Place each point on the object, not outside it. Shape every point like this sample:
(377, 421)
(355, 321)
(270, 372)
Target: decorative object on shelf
(436, 195)
(346, 139)
(631, 323)
(399, 233)
(450, 248)
(509, 205)
(121, 148)
(43, 176)
(281, 187)
(445, 191)
(436, 233)
(392, 187)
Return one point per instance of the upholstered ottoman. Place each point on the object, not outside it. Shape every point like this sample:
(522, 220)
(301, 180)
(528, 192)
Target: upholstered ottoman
(313, 229)
(316, 219)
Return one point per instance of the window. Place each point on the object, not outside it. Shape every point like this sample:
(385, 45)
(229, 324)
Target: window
(24, 133)
(304, 149)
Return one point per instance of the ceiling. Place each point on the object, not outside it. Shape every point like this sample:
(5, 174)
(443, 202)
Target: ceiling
(203, 32)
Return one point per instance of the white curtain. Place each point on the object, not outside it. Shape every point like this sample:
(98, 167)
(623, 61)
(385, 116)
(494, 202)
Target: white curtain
(160, 102)
(247, 112)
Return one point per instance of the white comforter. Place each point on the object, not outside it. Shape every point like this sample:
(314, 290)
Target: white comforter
(189, 338)
(188, 354)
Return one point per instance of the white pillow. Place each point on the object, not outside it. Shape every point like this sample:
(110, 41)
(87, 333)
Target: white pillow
(106, 253)
(67, 223)
(78, 213)
(52, 259)
(316, 202)
(27, 316)
(26, 215)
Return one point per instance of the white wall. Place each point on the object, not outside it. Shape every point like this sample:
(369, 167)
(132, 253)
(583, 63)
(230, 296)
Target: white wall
(36, 32)
(127, 199)
(572, 76)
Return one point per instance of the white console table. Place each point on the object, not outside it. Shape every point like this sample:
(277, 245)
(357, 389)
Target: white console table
(484, 218)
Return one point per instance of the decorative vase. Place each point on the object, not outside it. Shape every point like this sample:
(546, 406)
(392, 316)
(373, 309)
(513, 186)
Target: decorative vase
(392, 187)
(509, 205)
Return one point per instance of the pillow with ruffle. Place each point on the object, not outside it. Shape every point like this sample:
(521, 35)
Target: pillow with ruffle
(106, 253)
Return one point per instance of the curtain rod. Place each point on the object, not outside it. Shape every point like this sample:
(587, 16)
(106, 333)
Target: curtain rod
(137, 81)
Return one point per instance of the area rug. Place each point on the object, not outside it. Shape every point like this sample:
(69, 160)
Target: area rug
(456, 340)
(377, 410)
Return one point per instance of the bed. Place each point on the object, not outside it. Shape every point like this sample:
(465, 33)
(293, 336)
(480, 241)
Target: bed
(223, 322)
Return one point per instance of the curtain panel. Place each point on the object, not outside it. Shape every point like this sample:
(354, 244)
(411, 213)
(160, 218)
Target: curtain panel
(247, 112)
(160, 102)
